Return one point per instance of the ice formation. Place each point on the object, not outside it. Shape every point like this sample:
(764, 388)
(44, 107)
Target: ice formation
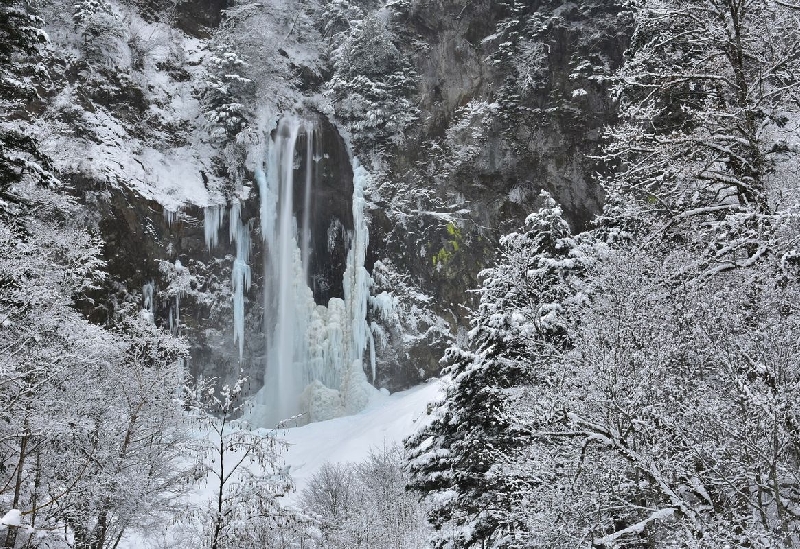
(313, 363)
(148, 302)
(240, 274)
(213, 221)
(170, 216)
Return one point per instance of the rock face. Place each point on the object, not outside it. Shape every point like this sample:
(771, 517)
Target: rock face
(199, 17)
(332, 210)
(513, 98)
(510, 98)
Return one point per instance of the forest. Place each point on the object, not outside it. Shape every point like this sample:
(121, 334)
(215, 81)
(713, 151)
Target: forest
(581, 219)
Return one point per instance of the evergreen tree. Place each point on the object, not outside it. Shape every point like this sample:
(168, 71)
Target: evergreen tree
(21, 37)
(466, 461)
(372, 82)
(226, 93)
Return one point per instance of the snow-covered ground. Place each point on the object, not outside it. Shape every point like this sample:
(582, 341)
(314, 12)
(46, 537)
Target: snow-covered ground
(386, 421)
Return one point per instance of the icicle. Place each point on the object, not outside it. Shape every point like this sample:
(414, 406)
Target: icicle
(357, 279)
(234, 217)
(171, 215)
(372, 355)
(178, 312)
(148, 302)
(240, 274)
(212, 223)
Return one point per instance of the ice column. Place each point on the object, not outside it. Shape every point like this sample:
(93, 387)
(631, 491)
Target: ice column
(213, 222)
(357, 281)
(240, 274)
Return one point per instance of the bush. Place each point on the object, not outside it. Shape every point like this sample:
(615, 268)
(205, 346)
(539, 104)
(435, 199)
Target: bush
(365, 505)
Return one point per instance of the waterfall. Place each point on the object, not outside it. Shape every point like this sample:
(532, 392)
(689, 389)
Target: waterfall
(314, 356)
(287, 341)
(313, 352)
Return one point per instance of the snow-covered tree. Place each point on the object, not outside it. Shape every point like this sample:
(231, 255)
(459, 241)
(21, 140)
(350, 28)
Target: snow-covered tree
(465, 461)
(78, 450)
(21, 37)
(704, 89)
(366, 505)
(100, 27)
(136, 437)
(227, 93)
(676, 374)
(678, 412)
(244, 469)
(372, 82)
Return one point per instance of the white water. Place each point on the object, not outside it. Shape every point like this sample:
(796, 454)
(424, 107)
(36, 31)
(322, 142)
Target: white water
(313, 357)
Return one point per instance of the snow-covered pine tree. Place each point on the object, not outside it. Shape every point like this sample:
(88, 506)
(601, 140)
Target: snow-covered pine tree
(21, 37)
(465, 461)
(226, 93)
(372, 82)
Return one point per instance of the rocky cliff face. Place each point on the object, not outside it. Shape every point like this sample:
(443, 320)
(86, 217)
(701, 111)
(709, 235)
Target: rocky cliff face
(148, 244)
(512, 97)
(467, 113)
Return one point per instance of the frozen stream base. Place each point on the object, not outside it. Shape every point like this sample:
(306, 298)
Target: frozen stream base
(386, 421)
(317, 402)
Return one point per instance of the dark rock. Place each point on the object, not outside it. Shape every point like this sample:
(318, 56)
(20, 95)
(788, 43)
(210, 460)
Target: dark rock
(541, 133)
(198, 17)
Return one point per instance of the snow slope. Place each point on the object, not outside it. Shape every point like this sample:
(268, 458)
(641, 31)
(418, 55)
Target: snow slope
(386, 421)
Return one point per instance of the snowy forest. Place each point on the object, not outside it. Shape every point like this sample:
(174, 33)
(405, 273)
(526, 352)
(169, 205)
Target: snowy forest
(399, 274)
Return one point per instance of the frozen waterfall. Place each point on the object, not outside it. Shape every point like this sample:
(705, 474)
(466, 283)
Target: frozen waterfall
(313, 361)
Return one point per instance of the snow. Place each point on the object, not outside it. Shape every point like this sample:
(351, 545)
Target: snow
(387, 420)
(637, 528)
(12, 518)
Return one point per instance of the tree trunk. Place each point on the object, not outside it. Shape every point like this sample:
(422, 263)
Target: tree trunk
(11, 534)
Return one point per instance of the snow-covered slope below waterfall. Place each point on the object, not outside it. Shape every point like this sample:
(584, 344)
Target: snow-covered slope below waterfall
(385, 422)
